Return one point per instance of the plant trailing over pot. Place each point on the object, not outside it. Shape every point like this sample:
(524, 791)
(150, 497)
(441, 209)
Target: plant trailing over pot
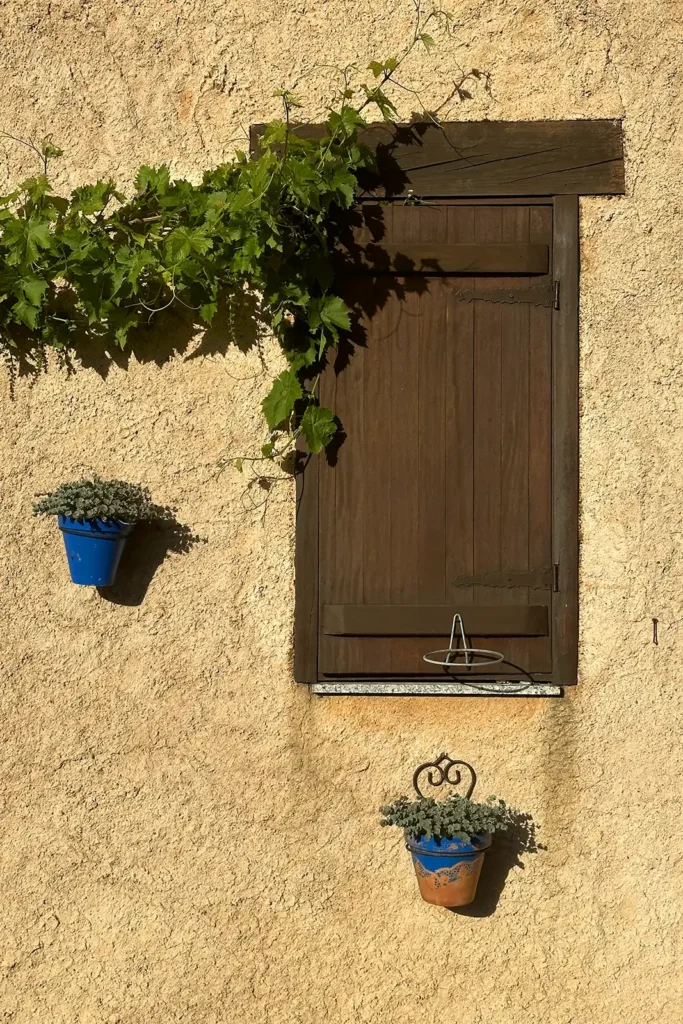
(447, 838)
(99, 263)
(96, 518)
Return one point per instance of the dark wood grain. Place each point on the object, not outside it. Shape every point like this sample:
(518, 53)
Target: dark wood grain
(488, 403)
(493, 158)
(431, 425)
(433, 620)
(515, 375)
(433, 399)
(402, 510)
(540, 438)
(350, 519)
(459, 434)
(327, 513)
(306, 558)
(447, 258)
(377, 378)
(541, 579)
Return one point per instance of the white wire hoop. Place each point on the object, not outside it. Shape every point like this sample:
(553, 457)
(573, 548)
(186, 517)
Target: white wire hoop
(460, 648)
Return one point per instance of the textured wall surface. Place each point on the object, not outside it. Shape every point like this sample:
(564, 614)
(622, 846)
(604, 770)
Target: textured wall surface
(186, 835)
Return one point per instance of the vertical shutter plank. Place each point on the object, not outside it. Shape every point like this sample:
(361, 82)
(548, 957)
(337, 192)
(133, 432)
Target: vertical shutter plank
(403, 456)
(327, 532)
(377, 378)
(540, 446)
(431, 409)
(487, 418)
(432, 345)
(349, 524)
(459, 434)
(306, 557)
(432, 340)
(515, 431)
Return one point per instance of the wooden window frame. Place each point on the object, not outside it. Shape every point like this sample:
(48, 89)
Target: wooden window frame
(565, 488)
(487, 162)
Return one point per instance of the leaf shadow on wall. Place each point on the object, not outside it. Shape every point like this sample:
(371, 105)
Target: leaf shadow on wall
(240, 323)
(504, 855)
(148, 547)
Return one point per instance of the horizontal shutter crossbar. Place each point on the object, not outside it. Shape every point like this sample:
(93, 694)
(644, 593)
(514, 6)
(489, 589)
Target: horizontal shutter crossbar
(537, 579)
(536, 295)
(403, 258)
(433, 620)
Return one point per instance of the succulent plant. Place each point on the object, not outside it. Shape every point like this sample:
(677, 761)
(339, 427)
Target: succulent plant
(456, 817)
(99, 499)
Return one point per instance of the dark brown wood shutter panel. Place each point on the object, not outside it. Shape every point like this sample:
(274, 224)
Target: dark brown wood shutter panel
(440, 498)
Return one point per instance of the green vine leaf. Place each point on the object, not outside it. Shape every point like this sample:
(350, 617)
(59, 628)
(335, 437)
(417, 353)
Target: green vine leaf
(335, 313)
(26, 313)
(37, 187)
(182, 242)
(90, 199)
(207, 311)
(132, 263)
(50, 151)
(33, 288)
(385, 67)
(152, 179)
(279, 404)
(346, 120)
(318, 426)
(26, 238)
(380, 99)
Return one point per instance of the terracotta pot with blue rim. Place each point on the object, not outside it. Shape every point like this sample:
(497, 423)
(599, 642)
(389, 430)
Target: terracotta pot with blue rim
(448, 869)
(94, 548)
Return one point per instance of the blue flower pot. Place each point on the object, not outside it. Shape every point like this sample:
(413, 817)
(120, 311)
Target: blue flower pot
(94, 548)
(448, 869)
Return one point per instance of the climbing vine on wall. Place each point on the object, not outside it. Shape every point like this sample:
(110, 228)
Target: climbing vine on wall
(99, 263)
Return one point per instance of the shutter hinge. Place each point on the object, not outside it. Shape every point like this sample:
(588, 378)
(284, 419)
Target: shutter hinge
(556, 297)
(556, 578)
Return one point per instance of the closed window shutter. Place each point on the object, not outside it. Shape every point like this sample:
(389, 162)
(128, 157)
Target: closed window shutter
(443, 495)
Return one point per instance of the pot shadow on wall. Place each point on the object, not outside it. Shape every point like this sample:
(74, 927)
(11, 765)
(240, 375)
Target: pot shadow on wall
(504, 855)
(148, 547)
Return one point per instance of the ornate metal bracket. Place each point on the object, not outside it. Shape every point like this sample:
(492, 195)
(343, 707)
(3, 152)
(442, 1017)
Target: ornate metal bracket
(439, 771)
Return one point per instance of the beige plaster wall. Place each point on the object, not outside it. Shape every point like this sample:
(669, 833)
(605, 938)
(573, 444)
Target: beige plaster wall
(186, 836)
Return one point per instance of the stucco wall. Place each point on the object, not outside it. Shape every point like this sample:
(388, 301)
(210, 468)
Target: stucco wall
(186, 835)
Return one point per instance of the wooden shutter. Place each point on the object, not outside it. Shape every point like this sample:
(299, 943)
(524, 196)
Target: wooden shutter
(455, 486)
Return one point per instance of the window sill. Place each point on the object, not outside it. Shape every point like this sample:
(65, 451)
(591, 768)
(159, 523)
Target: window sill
(408, 688)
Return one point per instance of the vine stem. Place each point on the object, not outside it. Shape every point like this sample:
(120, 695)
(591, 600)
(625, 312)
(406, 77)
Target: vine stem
(29, 145)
